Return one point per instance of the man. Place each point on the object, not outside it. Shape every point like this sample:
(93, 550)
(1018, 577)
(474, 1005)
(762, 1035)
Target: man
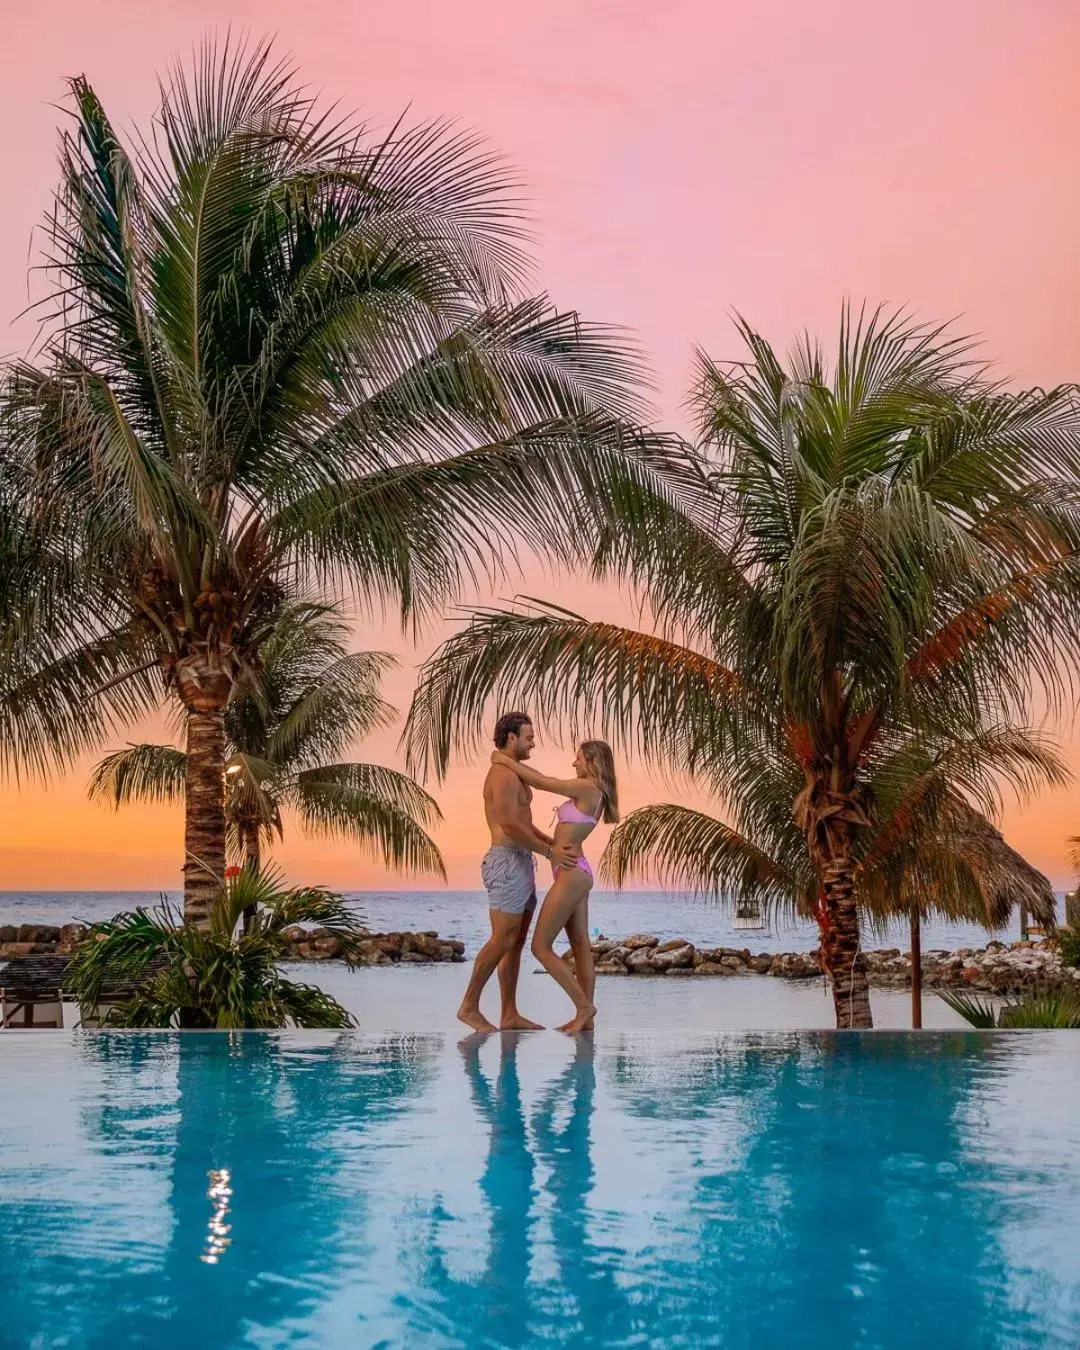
(509, 872)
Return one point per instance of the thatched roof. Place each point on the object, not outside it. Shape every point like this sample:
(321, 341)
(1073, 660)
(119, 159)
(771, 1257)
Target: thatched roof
(962, 870)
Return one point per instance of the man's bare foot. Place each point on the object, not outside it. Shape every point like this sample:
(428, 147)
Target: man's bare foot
(516, 1022)
(473, 1017)
(584, 1021)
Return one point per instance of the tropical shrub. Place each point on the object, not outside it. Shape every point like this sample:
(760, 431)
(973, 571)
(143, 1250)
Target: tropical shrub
(1045, 1008)
(160, 971)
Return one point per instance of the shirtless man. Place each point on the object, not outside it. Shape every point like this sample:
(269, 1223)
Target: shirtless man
(509, 873)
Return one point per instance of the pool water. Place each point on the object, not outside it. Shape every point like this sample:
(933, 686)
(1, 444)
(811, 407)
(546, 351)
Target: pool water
(769, 1190)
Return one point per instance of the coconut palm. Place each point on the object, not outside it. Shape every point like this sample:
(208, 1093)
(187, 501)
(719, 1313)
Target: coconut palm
(154, 970)
(929, 852)
(280, 352)
(284, 742)
(883, 551)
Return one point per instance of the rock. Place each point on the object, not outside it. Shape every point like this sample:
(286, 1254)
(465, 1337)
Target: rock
(673, 945)
(672, 958)
(8, 949)
(602, 947)
(761, 965)
(415, 959)
(8, 933)
(711, 968)
(639, 940)
(638, 959)
(390, 943)
(71, 934)
(611, 968)
(327, 947)
(679, 970)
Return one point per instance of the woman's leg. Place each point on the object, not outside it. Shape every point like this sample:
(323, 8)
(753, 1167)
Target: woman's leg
(568, 890)
(577, 930)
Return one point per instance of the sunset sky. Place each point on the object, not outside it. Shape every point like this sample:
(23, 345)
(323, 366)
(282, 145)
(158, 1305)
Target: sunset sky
(685, 160)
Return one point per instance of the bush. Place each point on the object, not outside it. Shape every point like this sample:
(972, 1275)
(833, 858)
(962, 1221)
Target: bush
(168, 972)
(1049, 1009)
(1069, 944)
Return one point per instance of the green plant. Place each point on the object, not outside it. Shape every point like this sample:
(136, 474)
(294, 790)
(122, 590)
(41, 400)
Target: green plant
(882, 560)
(283, 738)
(1068, 939)
(161, 971)
(1044, 1008)
(281, 352)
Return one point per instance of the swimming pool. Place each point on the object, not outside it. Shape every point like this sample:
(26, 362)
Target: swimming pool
(796, 1190)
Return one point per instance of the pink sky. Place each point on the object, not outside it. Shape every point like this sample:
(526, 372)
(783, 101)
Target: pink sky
(685, 160)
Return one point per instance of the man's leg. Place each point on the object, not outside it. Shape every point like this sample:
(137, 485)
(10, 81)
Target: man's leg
(504, 931)
(509, 971)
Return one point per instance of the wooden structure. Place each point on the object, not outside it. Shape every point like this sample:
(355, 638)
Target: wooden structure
(30, 991)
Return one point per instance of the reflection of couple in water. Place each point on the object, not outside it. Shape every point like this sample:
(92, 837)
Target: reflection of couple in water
(509, 873)
(533, 1153)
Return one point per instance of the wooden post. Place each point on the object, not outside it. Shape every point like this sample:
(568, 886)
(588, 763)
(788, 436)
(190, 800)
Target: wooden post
(1023, 924)
(916, 971)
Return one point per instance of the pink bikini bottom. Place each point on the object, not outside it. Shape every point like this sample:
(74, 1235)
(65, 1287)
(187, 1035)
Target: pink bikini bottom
(583, 863)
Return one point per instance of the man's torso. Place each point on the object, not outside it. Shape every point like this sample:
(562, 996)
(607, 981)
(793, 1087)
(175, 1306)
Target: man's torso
(524, 802)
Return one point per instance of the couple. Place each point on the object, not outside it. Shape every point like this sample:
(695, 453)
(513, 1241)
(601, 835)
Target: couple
(509, 874)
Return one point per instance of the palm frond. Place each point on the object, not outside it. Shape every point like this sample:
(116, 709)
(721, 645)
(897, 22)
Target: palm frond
(141, 773)
(687, 850)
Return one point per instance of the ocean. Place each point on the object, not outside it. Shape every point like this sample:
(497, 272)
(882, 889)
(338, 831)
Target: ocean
(463, 915)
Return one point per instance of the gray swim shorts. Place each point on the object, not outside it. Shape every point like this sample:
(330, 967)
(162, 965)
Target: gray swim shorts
(509, 877)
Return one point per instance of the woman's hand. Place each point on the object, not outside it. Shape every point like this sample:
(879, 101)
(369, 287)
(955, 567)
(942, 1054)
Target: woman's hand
(497, 757)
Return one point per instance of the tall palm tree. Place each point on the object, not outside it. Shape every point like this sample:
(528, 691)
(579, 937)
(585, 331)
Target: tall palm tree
(882, 550)
(283, 351)
(284, 741)
(929, 850)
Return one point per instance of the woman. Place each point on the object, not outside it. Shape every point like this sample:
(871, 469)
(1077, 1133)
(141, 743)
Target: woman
(592, 796)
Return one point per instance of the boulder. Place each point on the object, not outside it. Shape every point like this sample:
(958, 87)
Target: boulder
(711, 968)
(637, 960)
(640, 940)
(672, 958)
(611, 968)
(674, 944)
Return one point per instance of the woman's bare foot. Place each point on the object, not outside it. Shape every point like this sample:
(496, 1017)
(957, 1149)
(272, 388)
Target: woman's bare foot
(583, 1021)
(473, 1017)
(515, 1022)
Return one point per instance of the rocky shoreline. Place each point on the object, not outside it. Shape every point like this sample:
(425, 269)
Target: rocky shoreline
(306, 944)
(997, 968)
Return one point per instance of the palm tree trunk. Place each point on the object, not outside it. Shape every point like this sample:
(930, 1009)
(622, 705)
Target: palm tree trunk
(204, 825)
(830, 844)
(916, 971)
(249, 837)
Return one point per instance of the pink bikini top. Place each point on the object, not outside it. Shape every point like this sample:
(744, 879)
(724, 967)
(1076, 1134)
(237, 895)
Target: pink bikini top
(571, 814)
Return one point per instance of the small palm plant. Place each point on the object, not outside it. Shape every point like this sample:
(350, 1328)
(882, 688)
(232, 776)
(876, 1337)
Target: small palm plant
(284, 737)
(1045, 1009)
(157, 971)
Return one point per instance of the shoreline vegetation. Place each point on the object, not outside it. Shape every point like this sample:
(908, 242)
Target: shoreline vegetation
(291, 372)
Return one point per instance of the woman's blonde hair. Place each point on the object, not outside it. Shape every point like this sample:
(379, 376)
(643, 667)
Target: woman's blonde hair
(601, 763)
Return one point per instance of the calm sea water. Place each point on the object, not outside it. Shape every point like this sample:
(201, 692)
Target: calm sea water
(755, 1192)
(463, 914)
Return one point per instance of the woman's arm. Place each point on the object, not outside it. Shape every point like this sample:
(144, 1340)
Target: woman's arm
(574, 788)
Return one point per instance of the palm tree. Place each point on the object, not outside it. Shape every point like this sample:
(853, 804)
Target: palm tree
(929, 850)
(880, 552)
(284, 742)
(154, 969)
(283, 352)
